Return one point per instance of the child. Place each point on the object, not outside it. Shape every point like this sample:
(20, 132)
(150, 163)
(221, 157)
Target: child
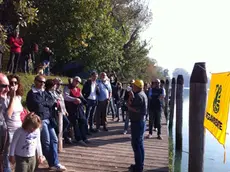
(26, 141)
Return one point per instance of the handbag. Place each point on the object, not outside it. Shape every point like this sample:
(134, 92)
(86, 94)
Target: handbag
(23, 114)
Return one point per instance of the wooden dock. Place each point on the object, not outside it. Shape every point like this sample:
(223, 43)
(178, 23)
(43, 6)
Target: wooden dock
(112, 152)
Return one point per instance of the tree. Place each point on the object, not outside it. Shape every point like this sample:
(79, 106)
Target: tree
(186, 75)
(100, 34)
(78, 30)
(15, 14)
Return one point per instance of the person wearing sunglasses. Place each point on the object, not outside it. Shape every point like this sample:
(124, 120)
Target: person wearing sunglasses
(39, 102)
(12, 109)
(4, 89)
(62, 109)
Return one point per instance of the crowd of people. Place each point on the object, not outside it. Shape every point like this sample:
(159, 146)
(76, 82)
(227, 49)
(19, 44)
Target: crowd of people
(28, 134)
(25, 58)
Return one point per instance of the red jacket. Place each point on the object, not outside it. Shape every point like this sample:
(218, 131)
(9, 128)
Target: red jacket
(15, 44)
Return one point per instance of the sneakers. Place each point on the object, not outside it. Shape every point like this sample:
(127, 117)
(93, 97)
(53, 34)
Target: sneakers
(58, 167)
(125, 132)
(149, 136)
(155, 129)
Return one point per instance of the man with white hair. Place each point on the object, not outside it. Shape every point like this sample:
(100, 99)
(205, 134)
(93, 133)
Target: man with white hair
(105, 94)
(75, 102)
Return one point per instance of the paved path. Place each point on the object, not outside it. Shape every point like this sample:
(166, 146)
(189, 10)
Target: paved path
(112, 152)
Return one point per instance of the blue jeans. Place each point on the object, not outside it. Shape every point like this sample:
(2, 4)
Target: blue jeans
(6, 162)
(90, 111)
(49, 143)
(112, 107)
(137, 133)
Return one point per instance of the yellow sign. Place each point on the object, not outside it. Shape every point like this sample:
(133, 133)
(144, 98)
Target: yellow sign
(216, 117)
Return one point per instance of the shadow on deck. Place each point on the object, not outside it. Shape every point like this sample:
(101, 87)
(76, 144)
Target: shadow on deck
(112, 152)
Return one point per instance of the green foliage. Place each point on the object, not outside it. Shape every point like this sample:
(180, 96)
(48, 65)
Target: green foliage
(26, 13)
(79, 30)
(135, 61)
(3, 36)
(101, 34)
(15, 14)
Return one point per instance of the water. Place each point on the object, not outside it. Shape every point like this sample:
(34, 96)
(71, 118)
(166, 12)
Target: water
(214, 152)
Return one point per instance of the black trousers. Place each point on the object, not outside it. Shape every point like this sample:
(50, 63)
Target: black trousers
(12, 65)
(155, 120)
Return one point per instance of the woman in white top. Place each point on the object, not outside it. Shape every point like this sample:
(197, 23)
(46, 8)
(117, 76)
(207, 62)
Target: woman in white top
(12, 110)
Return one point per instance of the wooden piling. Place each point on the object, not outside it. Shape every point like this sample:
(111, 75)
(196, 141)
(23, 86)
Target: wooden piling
(172, 102)
(60, 134)
(197, 105)
(166, 99)
(179, 111)
(177, 160)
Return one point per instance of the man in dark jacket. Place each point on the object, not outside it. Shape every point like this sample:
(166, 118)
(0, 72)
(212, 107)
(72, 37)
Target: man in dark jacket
(41, 103)
(137, 106)
(156, 96)
(119, 94)
(90, 91)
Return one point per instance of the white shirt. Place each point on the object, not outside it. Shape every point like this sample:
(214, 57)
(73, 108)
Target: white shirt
(13, 122)
(93, 95)
(164, 92)
(25, 144)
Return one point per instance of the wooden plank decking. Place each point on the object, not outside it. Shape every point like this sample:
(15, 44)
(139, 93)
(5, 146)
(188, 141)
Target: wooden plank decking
(112, 152)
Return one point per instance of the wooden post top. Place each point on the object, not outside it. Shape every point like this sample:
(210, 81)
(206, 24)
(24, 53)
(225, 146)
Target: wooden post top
(180, 79)
(199, 74)
(167, 82)
(173, 81)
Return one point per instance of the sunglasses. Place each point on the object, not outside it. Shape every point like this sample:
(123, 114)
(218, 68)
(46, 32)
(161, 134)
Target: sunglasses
(3, 86)
(43, 82)
(13, 83)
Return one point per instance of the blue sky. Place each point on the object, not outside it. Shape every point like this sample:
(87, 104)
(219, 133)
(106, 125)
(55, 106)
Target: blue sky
(183, 32)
